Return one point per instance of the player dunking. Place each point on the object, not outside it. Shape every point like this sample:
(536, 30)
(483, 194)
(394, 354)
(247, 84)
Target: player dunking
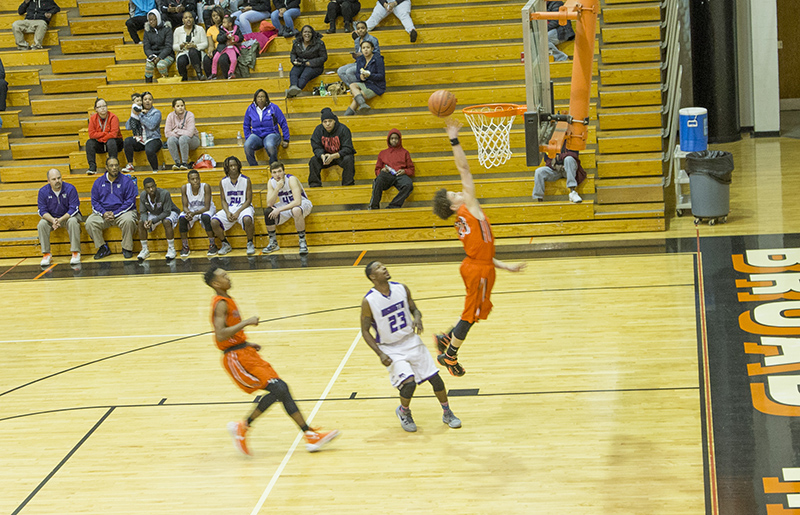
(477, 269)
(251, 373)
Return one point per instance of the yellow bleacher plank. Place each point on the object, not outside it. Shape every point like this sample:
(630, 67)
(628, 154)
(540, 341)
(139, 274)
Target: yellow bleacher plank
(638, 117)
(630, 165)
(631, 32)
(650, 11)
(54, 84)
(102, 7)
(629, 141)
(7, 39)
(25, 58)
(63, 104)
(81, 63)
(7, 19)
(43, 147)
(22, 77)
(90, 44)
(38, 126)
(18, 97)
(10, 119)
(631, 53)
(638, 73)
(4, 141)
(631, 95)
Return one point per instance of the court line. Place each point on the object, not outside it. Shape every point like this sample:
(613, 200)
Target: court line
(45, 271)
(360, 257)
(13, 267)
(63, 461)
(289, 453)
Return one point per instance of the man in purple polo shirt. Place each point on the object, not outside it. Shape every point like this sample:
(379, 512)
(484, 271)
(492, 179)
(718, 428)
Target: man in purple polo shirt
(59, 206)
(113, 203)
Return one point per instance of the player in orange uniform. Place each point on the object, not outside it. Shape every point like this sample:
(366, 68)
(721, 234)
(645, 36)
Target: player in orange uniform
(477, 269)
(251, 373)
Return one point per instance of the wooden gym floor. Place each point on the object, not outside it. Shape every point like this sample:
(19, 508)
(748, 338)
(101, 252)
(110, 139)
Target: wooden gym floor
(585, 389)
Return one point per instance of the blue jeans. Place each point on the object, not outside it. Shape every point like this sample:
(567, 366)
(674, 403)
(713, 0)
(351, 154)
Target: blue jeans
(552, 41)
(254, 142)
(243, 20)
(288, 18)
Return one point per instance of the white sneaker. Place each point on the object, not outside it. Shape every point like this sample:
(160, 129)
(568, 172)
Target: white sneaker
(226, 247)
(171, 253)
(574, 197)
(251, 248)
(128, 168)
(144, 254)
(46, 260)
(76, 259)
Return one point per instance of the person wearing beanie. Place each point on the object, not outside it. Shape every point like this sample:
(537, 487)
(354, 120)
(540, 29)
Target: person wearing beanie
(332, 144)
(393, 168)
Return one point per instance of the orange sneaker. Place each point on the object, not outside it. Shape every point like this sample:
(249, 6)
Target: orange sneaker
(315, 438)
(238, 431)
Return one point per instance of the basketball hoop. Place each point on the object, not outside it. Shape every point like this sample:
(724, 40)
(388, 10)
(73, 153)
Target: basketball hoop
(491, 124)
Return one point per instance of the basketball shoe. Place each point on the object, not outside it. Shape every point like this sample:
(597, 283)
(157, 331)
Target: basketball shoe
(238, 431)
(315, 438)
(442, 341)
(452, 364)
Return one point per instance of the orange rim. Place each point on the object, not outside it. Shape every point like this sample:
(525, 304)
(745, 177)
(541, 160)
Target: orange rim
(495, 110)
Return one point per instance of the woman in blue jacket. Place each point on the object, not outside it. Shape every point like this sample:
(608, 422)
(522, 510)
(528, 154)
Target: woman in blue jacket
(370, 69)
(264, 123)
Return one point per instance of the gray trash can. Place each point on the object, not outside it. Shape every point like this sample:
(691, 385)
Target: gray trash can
(710, 182)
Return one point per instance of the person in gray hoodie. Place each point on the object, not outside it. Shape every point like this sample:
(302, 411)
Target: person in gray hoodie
(156, 207)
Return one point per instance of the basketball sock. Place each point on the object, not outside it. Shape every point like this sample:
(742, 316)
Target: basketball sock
(301, 234)
(404, 409)
(445, 405)
(249, 241)
(75, 254)
(171, 244)
(212, 240)
(305, 428)
(451, 351)
(144, 244)
(272, 236)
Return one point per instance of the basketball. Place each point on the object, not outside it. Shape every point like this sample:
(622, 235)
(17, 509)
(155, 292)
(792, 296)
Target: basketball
(442, 103)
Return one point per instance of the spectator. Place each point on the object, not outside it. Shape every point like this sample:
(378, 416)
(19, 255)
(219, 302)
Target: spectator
(308, 57)
(393, 168)
(3, 87)
(157, 46)
(251, 11)
(288, 10)
(181, 133)
(264, 123)
(37, 16)
(400, 8)
(113, 203)
(59, 206)
(373, 79)
(138, 10)
(347, 9)
(104, 135)
(236, 196)
(332, 144)
(197, 205)
(209, 6)
(566, 164)
(229, 38)
(557, 34)
(134, 123)
(286, 199)
(156, 207)
(212, 31)
(151, 122)
(188, 42)
(172, 10)
(347, 72)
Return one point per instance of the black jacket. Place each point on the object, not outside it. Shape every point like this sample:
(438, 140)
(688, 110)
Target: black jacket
(158, 40)
(257, 5)
(286, 4)
(222, 38)
(164, 5)
(315, 54)
(338, 140)
(36, 9)
(565, 32)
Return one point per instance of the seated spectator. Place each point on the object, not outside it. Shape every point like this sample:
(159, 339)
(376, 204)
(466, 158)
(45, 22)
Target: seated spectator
(113, 203)
(332, 144)
(212, 31)
(251, 11)
(286, 199)
(308, 57)
(181, 133)
(347, 72)
(373, 79)
(151, 123)
(104, 135)
(59, 206)
(138, 10)
(393, 168)
(172, 10)
(3, 88)
(557, 34)
(197, 205)
(156, 207)
(566, 164)
(229, 38)
(208, 8)
(37, 16)
(347, 9)
(400, 8)
(236, 197)
(188, 43)
(157, 46)
(287, 10)
(263, 124)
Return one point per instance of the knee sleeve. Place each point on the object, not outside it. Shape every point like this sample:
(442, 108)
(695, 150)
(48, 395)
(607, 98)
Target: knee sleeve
(461, 329)
(267, 220)
(183, 225)
(206, 221)
(281, 390)
(407, 389)
(436, 382)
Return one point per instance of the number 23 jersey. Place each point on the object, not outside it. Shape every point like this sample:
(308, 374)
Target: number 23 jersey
(391, 316)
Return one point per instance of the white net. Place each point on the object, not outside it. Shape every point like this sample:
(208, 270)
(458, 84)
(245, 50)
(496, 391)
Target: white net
(491, 124)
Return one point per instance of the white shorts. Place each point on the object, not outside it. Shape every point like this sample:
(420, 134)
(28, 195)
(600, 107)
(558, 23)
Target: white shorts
(194, 219)
(172, 218)
(223, 217)
(285, 216)
(410, 357)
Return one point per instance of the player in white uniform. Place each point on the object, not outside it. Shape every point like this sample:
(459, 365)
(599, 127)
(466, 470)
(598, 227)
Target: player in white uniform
(387, 308)
(197, 205)
(286, 199)
(236, 197)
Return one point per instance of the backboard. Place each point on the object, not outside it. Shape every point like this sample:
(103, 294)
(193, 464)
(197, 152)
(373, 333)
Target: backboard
(537, 80)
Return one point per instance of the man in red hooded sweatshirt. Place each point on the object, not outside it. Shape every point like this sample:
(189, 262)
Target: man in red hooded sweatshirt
(394, 168)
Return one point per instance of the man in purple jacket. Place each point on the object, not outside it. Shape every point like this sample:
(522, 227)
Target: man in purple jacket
(59, 206)
(113, 203)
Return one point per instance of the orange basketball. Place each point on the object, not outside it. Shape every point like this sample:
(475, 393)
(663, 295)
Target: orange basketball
(442, 103)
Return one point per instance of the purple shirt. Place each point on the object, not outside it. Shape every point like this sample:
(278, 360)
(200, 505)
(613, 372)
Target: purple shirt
(66, 201)
(118, 196)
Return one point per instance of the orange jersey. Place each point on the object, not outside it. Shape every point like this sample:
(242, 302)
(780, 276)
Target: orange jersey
(476, 235)
(232, 319)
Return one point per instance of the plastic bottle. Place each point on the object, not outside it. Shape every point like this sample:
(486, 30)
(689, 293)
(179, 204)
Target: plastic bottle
(280, 70)
(239, 138)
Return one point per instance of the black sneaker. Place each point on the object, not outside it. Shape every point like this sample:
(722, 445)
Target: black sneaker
(127, 253)
(102, 252)
(413, 35)
(442, 341)
(452, 364)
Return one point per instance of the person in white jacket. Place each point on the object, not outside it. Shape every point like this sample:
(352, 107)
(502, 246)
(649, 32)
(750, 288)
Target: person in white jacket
(189, 41)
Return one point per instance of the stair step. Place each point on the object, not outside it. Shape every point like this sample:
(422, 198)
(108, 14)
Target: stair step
(637, 73)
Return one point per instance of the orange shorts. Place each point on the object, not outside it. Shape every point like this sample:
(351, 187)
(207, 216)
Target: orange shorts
(479, 280)
(248, 370)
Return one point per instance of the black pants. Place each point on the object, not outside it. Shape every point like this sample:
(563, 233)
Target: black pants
(192, 57)
(223, 65)
(386, 180)
(3, 94)
(302, 75)
(151, 148)
(348, 164)
(347, 10)
(94, 147)
(135, 24)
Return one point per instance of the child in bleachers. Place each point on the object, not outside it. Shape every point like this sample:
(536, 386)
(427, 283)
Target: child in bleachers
(231, 35)
(134, 124)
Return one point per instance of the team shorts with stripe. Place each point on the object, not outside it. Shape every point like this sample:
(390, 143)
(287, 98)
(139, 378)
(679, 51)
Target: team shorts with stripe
(248, 370)
(410, 357)
(211, 212)
(226, 225)
(285, 216)
(479, 280)
(172, 218)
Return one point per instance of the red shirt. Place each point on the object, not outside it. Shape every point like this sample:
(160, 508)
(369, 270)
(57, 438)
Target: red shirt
(104, 130)
(476, 235)
(231, 319)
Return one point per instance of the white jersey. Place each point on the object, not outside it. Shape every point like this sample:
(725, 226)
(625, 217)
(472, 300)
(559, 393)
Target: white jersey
(391, 316)
(235, 194)
(197, 203)
(285, 195)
